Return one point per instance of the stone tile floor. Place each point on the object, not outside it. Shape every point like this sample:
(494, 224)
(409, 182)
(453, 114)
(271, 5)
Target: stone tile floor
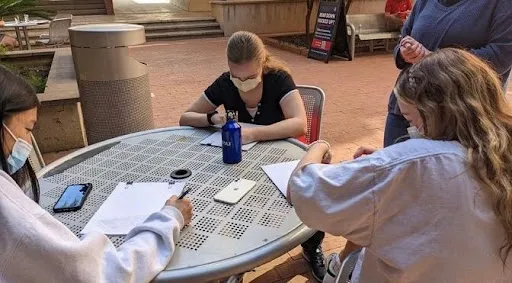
(356, 98)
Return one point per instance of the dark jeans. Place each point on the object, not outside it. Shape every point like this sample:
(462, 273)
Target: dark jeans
(314, 241)
(396, 129)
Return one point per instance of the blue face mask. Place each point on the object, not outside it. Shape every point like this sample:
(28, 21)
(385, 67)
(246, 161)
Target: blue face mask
(19, 155)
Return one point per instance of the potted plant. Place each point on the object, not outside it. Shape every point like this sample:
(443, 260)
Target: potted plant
(9, 8)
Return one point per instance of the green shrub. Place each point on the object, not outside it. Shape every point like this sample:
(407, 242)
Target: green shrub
(34, 76)
(35, 79)
(9, 8)
(3, 50)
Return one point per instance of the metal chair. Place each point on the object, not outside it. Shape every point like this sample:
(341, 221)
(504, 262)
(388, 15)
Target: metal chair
(347, 267)
(59, 34)
(313, 98)
(36, 158)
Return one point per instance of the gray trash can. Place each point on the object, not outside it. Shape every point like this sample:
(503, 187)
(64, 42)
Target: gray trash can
(114, 88)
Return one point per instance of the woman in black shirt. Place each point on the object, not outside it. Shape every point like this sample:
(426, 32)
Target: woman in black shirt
(261, 89)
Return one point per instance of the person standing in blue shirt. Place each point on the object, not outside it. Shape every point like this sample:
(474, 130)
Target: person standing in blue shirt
(482, 27)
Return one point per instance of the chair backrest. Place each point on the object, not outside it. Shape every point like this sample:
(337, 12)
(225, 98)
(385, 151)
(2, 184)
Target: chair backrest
(313, 98)
(59, 30)
(35, 158)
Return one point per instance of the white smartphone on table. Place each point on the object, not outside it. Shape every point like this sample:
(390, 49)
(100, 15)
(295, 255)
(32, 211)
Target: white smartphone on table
(235, 191)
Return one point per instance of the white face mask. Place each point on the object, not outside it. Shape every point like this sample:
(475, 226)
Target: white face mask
(414, 132)
(19, 155)
(246, 85)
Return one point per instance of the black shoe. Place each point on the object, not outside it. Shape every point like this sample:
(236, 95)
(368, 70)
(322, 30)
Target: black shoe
(315, 258)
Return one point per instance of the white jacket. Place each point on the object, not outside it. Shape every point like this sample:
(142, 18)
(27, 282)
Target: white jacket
(35, 247)
(415, 206)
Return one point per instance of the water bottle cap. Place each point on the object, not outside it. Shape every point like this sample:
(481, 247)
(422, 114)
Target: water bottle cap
(231, 115)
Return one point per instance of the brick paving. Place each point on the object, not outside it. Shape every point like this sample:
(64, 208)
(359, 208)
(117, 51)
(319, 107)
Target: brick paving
(354, 114)
(356, 97)
(356, 92)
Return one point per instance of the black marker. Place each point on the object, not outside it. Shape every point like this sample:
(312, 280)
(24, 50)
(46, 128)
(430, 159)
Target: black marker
(184, 193)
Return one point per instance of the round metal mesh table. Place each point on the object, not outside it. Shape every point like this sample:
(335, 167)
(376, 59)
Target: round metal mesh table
(222, 239)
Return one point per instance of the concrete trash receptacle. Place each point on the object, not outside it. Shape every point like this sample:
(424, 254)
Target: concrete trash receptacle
(114, 88)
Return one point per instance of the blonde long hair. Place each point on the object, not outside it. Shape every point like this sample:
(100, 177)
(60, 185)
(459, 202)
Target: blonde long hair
(244, 46)
(461, 98)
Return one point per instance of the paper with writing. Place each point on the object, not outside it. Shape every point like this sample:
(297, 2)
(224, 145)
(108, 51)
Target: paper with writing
(130, 205)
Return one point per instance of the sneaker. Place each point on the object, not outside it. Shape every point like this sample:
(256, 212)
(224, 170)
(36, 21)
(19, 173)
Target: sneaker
(315, 258)
(333, 268)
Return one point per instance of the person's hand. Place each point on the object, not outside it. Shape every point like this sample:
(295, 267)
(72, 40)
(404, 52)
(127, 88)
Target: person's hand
(219, 119)
(412, 51)
(324, 148)
(247, 135)
(183, 205)
(364, 151)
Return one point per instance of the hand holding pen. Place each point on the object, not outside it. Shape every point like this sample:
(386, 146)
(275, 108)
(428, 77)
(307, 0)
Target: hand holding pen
(183, 205)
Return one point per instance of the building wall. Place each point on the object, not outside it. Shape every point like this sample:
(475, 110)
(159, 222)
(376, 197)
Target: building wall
(263, 16)
(367, 6)
(193, 5)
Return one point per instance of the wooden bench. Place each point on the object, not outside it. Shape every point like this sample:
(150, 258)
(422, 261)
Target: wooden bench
(370, 28)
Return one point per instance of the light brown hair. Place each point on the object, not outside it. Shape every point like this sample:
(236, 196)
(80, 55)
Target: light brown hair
(244, 46)
(461, 98)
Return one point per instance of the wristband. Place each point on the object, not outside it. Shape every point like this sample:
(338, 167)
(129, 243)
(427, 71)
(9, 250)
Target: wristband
(210, 115)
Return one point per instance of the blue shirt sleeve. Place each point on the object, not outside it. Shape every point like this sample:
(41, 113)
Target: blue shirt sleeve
(498, 52)
(406, 30)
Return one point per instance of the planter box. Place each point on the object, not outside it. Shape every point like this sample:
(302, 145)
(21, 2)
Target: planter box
(60, 125)
(275, 42)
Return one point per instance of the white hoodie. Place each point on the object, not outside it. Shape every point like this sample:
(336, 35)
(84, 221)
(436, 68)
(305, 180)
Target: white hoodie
(35, 247)
(417, 209)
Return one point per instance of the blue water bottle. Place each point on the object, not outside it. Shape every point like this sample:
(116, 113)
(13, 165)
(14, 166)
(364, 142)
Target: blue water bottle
(231, 139)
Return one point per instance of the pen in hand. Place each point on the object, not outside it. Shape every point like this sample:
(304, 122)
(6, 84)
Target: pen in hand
(184, 193)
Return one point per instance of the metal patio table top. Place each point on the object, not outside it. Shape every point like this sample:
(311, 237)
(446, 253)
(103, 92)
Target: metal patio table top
(222, 239)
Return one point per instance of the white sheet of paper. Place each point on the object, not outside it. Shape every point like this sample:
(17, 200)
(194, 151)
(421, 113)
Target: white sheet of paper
(280, 174)
(215, 139)
(129, 206)
(242, 124)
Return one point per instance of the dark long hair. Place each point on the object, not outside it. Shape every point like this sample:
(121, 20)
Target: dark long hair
(17, 96)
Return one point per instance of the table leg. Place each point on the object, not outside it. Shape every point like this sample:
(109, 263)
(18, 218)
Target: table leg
(27, 39)
(18, 37)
